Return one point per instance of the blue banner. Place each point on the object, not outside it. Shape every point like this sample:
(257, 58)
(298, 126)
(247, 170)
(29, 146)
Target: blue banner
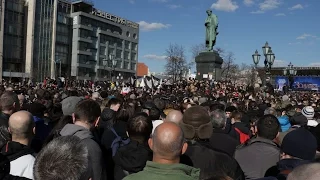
(306, 83)
(280, 81)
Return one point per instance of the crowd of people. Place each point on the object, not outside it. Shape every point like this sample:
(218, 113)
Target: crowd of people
(197, 130)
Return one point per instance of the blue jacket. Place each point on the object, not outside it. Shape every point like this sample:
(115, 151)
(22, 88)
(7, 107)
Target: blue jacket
(284, 123)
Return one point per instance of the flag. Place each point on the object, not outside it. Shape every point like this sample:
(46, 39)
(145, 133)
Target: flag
(148, 82)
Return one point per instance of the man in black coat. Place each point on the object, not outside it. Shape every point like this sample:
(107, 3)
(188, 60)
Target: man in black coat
(197, 128)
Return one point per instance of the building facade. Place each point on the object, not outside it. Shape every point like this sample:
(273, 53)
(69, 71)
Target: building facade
(142, 70)
(68, 38)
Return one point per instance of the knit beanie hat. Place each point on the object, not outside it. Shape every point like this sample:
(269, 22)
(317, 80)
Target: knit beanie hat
(69, 104)
(300, 143)
(308, 112)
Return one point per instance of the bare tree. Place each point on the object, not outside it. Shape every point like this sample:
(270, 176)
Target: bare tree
(229, 68)
(176, 61)
(196, 49)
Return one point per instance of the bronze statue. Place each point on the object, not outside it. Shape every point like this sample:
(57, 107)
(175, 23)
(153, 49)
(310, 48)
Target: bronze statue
(211, 30)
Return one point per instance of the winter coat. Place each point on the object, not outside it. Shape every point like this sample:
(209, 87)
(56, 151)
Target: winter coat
(200, 155)
(218, 142)
(130, 159)
(95, 153)
(156, 171)
(21, 159)
(256, 156)
(284, 123)
(107, 138)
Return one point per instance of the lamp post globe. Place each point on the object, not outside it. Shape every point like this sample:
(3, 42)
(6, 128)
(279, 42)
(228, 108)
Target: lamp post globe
(265, 49)
(270, 57)
(256, 58)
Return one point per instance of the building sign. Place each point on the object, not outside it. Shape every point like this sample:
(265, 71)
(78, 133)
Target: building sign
(114, 18)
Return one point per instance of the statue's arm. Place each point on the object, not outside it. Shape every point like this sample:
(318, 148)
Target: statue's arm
(215, 19)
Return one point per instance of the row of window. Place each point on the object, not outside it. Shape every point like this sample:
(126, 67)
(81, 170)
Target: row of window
(14, 17)
(98, 24)
(15, 5)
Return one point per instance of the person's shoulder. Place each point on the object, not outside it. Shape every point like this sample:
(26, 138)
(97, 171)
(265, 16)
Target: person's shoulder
(136, 176)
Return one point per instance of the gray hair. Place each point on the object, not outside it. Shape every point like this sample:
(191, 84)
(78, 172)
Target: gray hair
(271, 111)
(218, 119)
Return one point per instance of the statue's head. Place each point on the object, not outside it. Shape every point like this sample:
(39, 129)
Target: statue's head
(209, 12)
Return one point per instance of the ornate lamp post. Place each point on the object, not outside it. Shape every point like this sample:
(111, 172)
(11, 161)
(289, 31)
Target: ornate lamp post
(269, 58)
(290, 71)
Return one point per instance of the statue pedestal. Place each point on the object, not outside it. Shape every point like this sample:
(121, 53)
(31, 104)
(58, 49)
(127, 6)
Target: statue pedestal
(209, 65)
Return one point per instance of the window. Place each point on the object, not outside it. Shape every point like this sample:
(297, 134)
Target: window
(133, 66)
(127, 45)
(83, 46)
(134, 46)
(135, 36)
(128, 34)
(119, 43)
(126, 55)
(103, 51)
(119, 54)
(133, 56)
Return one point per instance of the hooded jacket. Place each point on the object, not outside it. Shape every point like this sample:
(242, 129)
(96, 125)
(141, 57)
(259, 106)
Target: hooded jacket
(21, 159)
(284, 123)
(156, 171)
(95, 154)
(131, 158)
(256, 156)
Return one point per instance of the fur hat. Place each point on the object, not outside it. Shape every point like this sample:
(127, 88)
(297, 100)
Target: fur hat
(308, 112)
(196, 123)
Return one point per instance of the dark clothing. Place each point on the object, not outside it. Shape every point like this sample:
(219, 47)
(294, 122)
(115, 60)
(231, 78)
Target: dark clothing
(131, 158)
(95, 154)
(284, 167)
(14, 150)
(256, 156)
(43, 129)
(231, 131)
(218, 142)
(299, 119)
(107, 138)
(200, 155)
(242, 127)
(4, 133)
(10, 177)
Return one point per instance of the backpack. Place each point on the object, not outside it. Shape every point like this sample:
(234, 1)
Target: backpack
(243, 137)
(118, 142)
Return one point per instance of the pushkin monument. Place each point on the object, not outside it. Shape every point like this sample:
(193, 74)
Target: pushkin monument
(209, 62)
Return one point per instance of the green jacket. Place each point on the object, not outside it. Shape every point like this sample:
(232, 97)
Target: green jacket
(156, 171)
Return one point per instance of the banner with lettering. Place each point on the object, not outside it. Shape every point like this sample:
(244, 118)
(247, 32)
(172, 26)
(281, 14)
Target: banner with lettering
(280, 81)
(306, 84)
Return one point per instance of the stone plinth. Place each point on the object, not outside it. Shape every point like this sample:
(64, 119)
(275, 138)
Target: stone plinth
(209, 65)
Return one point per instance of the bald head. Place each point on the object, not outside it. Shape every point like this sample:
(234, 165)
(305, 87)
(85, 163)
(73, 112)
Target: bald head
(168, 141)
(307, 171)
(174, 116)
(21, 125)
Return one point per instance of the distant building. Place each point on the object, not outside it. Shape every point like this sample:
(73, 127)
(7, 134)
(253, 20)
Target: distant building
(69, 38)
(142, 70)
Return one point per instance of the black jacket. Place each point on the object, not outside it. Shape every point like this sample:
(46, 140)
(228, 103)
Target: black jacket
(130, 159)
(4, 133)
(229, 129)
(218, 142)
(299, 119)
(106, 141)
(14, 150)
(211, 162)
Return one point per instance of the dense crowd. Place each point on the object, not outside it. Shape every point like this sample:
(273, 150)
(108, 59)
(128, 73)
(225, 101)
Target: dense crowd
(199, 130)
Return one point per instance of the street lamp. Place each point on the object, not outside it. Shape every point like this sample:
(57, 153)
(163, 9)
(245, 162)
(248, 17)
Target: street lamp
(269, 57)
(114, 63)
(290, 71)
(256, 58)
